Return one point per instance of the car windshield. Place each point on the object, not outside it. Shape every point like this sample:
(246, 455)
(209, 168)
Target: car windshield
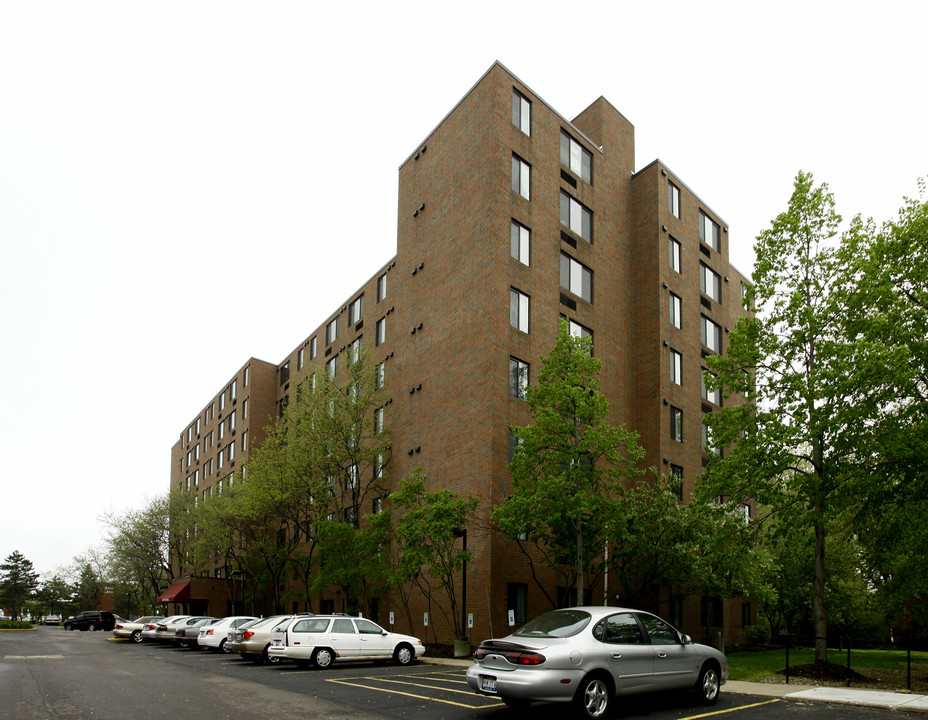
(558, 623)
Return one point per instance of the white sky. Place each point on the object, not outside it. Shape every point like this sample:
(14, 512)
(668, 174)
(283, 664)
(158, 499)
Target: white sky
(177, 180)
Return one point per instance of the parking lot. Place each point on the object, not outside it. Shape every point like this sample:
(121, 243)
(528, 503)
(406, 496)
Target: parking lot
(50, 673)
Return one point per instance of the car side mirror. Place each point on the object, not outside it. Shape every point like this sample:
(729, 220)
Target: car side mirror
(686, 640)
(384, 633)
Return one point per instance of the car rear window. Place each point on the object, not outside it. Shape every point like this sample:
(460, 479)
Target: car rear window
(558, 623)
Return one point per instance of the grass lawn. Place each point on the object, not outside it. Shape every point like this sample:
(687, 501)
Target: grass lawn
(879, 669)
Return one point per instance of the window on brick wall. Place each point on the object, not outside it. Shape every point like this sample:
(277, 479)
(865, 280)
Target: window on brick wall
(712, 396)
(676, 367)
(521, 112)
(518, 309)
(331, 332)
(519, 242)
(521, 177)
(676, 424)
(675, 251)
(518, 378)
(576, 277)
(381, 331)
(676, 311)
(710, 282)
(710, 334)
(673, 199)
(709, 231)
(577, 217)
(382, 287)
(576, 157)
(356, 310)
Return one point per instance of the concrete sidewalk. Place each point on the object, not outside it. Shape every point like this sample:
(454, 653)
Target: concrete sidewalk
(838, 696)
(803, 693)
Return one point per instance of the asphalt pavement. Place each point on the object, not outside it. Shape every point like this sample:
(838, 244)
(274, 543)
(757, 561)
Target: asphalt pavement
(906, 701)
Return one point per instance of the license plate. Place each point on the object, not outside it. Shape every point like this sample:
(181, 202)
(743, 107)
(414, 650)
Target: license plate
(488, 683)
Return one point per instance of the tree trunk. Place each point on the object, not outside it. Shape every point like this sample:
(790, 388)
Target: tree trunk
(818, 595)
(580, 588)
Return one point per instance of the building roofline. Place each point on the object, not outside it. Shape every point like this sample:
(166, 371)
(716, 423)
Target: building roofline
(497, 63)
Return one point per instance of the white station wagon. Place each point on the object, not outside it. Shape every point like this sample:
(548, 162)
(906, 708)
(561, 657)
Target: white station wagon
(324, 639)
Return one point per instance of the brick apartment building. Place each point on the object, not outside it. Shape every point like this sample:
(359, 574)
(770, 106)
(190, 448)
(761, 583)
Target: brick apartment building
(510, 217)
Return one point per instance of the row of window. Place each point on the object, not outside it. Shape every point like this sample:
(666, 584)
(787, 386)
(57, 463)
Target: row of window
(226, 456)
(709, 231)
(228, 395)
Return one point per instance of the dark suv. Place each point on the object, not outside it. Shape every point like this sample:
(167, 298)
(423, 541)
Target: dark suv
(91, 620)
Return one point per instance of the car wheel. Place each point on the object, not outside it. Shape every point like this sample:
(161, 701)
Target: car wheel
(93, 627)
(222, 647)
(323, 658)
(272, 659)
(707, 687)
(136, 636)
(594, 698)
(404, 654)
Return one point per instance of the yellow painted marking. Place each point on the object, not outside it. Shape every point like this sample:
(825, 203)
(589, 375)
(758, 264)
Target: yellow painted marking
(731, 710)
(412, 695)
(430, 687)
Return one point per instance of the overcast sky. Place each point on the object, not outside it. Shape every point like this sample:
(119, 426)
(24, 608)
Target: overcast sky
(178, 179)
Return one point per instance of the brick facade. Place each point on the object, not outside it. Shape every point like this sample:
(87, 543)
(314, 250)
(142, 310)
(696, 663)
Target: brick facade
(448, 338)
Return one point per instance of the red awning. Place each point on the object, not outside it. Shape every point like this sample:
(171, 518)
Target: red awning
(178, 592)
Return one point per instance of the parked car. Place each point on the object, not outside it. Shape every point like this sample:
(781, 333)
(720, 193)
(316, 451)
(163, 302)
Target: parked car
(589, 655)
(150, 631)
(133, 629)
(91, 620)
(52, 619)
(252, 641)
(216, 635)
(186, 635)
(167, 632)
(324, 639)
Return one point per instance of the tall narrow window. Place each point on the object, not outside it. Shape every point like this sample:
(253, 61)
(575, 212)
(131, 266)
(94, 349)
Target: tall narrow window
(676, 424)
(312, 348)
(676, 311)
(576, 217)
(380, 375)
(674, 254)
(576, 277)
(381, 331)
(354, 350)
(331, 368)
(676, 367)
(521, 177)
(378, 421)
(709, 231)
(356, 310)
(382, 287)
(673, 199)
(576, 157)
(331, 331)
(518, 378)
(300, 358)
(713, 396)
(521, 112)
(710, 282)
(711, 334)
(577, 330)
(518, 309)
(519, 237)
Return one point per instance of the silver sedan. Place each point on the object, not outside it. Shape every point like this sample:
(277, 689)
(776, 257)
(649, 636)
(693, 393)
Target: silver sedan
(589, 655)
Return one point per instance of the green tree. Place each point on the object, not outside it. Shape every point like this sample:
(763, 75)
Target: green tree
(695, 548)
(55, 596)
(427, 539)
(569, 468)
(795, 446)
(887, 316)
(321, 462)
(18, 583)
(138, 551)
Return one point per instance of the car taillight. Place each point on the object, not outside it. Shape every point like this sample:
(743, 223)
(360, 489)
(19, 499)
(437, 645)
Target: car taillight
(119, 626)
(151, 627)
(209, 632)
(247, 634)
(515, 657)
